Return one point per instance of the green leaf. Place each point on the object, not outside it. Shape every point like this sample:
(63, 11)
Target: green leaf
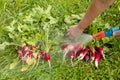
(74, 16)
(106, 40)
(52, 20)
(11, 35)
(67, 19)
(13, 64)
(10, 28)
(3, 45)
(119, 6)
(24, 67)
(30, 61)
(48, 9)
(13, 22)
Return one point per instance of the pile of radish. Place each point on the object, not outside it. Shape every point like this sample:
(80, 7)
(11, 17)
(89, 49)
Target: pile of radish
(25, 51)
(76, 51)
(32, 54)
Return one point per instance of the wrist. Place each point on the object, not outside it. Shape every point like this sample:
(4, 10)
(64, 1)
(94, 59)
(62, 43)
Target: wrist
(81, 27)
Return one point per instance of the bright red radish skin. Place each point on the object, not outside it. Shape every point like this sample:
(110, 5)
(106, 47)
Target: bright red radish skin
(71, 47)
(47, 57)
(64, 45)
(87, 49)
(82, 54)
(43, 51)
(19, 51)
(40, 55)
(72, 54)
(100, 49)
(25, 48)
(27, 53)
(32, 47)
(93, 54)
(97, 59)
(78, 53)
(78, 47)
(20, 56)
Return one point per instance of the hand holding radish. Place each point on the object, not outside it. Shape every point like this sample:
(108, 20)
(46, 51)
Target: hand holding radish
(85, 54)
(73, 31)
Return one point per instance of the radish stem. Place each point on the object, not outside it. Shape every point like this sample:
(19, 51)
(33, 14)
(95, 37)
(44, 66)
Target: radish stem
(49, 64)
(65, 53)
(71, 61)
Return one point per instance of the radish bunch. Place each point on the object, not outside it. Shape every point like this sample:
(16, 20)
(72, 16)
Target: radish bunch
(86, 54)
(31, 54)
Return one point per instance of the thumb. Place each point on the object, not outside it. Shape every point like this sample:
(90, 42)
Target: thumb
(116, 33)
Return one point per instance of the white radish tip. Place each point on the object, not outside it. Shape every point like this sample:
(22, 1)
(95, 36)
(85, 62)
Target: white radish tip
(81, 57)
(93, 58)
(96, 63)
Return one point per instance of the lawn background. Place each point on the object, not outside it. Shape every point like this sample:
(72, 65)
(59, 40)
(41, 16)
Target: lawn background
(62, 11)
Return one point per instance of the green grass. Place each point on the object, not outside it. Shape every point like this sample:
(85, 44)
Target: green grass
(10, 10)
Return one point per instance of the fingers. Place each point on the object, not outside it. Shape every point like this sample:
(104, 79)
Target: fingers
(69, 35)
(69, 32)
(69, 29)
(117, 34)
(73, 31)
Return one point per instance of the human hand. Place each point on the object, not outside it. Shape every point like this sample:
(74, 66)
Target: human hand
(116, 34)
(73, 31)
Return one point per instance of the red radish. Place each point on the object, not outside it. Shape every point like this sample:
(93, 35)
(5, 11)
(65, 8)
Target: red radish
(43, 51)
(28, 53)
(78, 53)
(40, 55)
(87, 49)
(72, 54)
(19, 51)
(20, 56)
(32, 47)
(78, 47)
(97, 59)
(100, 49)
(47, 57)
(93, 54)
(64, 45)
(25, 48)
(71, 47)
(82, 54)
